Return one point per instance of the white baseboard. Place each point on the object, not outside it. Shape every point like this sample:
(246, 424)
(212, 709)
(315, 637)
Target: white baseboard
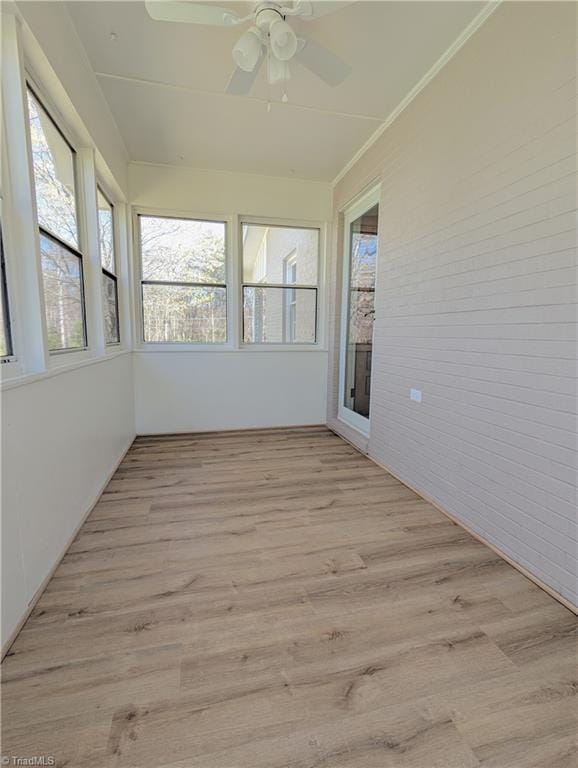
(225, 430)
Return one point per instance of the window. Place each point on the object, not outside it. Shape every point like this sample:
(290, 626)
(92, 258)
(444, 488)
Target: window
(5, 334)
(360, 315)
(183, 280)
(54, 180)
(280, 284)
(108, 263)
(360, 225)
(63, 296)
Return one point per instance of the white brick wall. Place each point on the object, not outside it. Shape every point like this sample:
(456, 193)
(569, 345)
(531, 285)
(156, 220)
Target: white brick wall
(476, 292)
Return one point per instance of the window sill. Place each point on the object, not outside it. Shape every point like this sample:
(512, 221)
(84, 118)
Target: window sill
(63, 358)
(225, 349)
(10, 369)
(282, 348)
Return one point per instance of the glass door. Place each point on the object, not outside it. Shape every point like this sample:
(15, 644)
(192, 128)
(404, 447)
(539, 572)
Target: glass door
(360, 254)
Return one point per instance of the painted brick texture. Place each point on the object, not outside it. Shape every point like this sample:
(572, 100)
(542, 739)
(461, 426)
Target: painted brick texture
(476, 288)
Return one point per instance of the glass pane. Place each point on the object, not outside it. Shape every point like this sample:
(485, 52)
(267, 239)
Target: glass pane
(110, 302)
(53, 162)
(362, 263)
(5, 339)
(4, 342)
(63, 297)
(181, 313)
(105, 233)
(268, 250)
(182, 250)
(279, 315)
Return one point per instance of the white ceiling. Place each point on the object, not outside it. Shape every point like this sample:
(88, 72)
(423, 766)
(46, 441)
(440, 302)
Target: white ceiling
(166, 82)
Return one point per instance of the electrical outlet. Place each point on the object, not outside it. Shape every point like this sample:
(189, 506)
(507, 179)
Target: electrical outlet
(415, 395)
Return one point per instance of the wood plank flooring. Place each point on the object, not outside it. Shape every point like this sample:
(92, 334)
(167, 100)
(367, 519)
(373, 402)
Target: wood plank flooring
(272, 599)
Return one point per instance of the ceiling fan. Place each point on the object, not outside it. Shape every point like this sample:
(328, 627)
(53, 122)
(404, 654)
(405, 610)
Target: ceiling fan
(270, 37)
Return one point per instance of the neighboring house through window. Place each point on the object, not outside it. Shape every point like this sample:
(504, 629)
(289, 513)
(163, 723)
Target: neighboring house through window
(280, 284)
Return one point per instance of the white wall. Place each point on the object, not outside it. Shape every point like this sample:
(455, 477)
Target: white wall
(198, 391)
(62, 436)
(476, 295)
(180, 390)
(63, 429)
(202, 191)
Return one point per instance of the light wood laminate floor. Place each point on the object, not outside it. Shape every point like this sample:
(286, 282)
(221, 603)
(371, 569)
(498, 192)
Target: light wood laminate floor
(273, 598)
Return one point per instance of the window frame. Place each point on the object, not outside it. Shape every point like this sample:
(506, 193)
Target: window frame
(349, 214)
(30, 87)
(172, 346)
(9, 357)
(112, 275)
(234, 266)
(319, 287)
(10, 363)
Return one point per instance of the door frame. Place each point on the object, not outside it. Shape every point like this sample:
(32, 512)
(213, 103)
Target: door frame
(351, 213)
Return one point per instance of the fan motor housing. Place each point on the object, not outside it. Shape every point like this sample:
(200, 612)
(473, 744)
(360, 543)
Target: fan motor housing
(266, 14)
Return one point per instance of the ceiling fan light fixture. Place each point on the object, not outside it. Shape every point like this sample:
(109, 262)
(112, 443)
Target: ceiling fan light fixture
(283, 40)
(271, 39)
(247, 50)
(277, 71)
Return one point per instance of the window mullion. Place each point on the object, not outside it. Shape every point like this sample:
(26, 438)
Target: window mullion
(184, 283)
(234, 280)
(124, 267)
(281, 285)
(89, 239)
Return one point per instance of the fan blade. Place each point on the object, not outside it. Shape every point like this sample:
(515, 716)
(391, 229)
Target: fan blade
(326, 65)
(308, 11)
(241, 82)
(191, 13)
